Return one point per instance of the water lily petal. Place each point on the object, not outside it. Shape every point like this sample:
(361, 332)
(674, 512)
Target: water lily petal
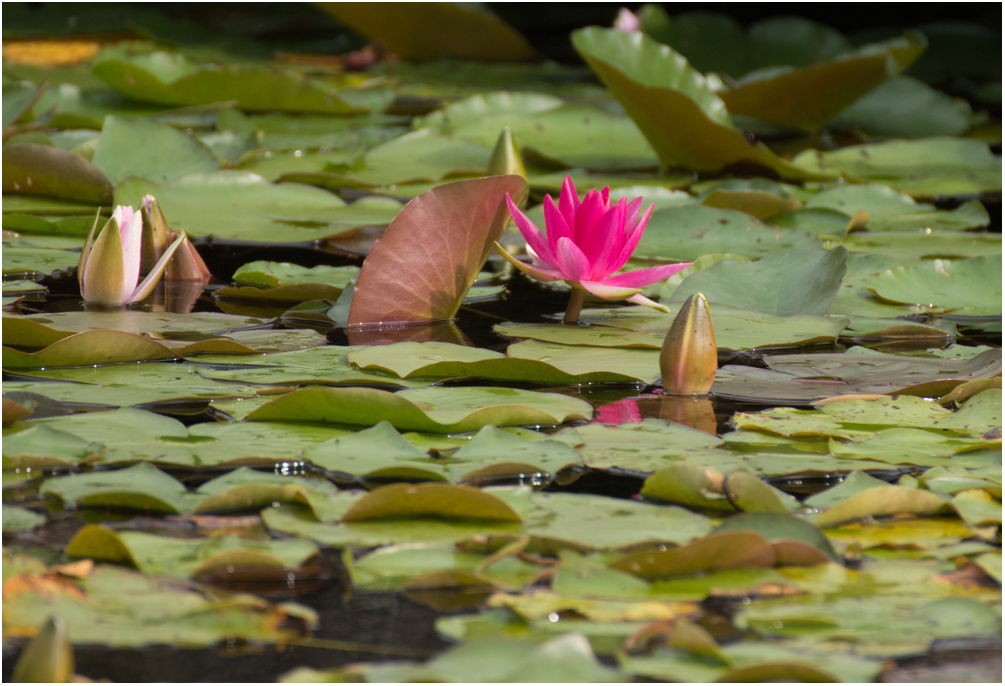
(571, 260)
(534, 272)
(131, 233)
(607, 292)
(143, 290)
(603, 245)
(643, 300)
(568, 202)
(632, 214)
(557, 227)
(530, 232)
(632, 238)
(103, 277)
(606, 196)
(643, 277)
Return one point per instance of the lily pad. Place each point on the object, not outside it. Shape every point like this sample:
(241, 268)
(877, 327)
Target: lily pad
(172, 79)
(423, 265)
(89, 348)
(241, 206)
(810, 96)
(438, 410)
(799, 379)
(688, 232)
(905, 107)
(645, 446)
(166, 152)
(790, 283)
(968, 284)
(160, 611)
(275, 274)
(20, 519)
(527, 363)
(921, 168)
(656, 85)
(44, 170)
(643, 327)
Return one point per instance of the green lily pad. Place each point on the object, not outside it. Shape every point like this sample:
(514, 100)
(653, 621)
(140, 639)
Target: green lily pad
(32, 263)
(918, 447)
(379, 451)
(685, 233)
(968, 284)
(935, 244)
(978, 415)
(77, 225)
(905, 107)
(274, 274)
(642, 327)
(323, 364)
(786, 284)
(645, 446)
(800, 379)
(575, 135)
(148, 385)
(89, 348)
(159, 612)
(241, 206)
(44, 170)
(172, 79)
(185, 557)
(921, 168)
(755, 661)
(166, 152)
(142, 487)
(20, 519)
(892, 211)
(438, 410)
(900, 626)
(977, 508)
(445, 360)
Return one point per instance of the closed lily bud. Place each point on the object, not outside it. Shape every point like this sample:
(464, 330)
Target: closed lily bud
(47, 658)
(506, 158)
(109, 268)
(187, 264)
(688, 359)
(156, 234)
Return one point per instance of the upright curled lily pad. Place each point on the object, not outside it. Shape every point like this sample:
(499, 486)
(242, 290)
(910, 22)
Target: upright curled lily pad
(682, 118)
(437, 410)
(811, 96)
(430, 30)
(883, 500)
(33, 169)
(427, 259)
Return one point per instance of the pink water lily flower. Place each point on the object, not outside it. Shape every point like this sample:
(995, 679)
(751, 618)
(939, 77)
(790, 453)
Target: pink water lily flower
(109, 267)
(586, 244)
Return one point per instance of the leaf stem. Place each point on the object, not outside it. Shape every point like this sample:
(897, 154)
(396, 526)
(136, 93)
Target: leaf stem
(575, 305)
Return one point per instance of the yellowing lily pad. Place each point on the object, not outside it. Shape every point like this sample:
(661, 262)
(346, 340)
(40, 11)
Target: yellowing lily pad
(438, 410)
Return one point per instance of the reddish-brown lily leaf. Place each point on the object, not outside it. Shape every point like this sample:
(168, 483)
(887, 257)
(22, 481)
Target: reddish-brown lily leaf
(45, 170)
(427, 259)
(726, 550)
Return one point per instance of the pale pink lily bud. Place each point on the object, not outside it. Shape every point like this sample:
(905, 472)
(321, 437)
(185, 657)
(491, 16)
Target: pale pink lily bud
(627, 21)
(109, 267)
